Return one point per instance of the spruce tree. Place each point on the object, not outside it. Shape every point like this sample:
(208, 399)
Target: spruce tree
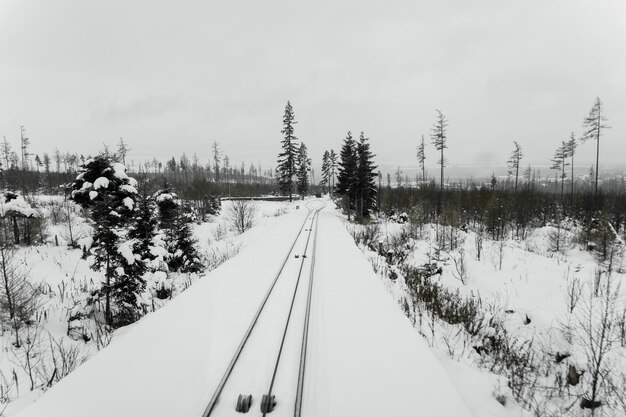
(421, 158)
(593, 125)
(347, 177)
(326, 170)
(332, 157)
(514, 160)
(366, 174)
(174, 219)
(287, 159)
(559, 163)
(104, 188)
(439, 138)
(304, 166)
(572, 144)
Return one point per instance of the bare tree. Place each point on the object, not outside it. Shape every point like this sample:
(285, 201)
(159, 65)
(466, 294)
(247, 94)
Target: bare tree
(596, 321)
(241, 214)
(19, 299)
(122, 151)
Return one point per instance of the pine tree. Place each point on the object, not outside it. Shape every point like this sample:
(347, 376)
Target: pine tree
(287, 159)
(593, 125)
(559, 163)
(104, 188)
(421, 158)
(366, 174)
(571, 146)
(514, 160)
(439, 139)
(347, 177)
(304, 166)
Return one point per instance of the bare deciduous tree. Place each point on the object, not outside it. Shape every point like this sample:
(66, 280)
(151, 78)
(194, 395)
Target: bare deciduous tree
(242, 214)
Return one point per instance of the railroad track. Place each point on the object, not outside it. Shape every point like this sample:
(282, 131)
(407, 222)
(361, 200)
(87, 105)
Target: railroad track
(286, 321)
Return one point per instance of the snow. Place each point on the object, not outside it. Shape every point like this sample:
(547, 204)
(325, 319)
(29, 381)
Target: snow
(101, 182)
(93, 194)
(129, 203)
(365, 357)
(128, 188)
(125, 250)
(119, 171)
(17, 204)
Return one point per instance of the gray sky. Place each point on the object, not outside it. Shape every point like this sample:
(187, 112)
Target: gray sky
(175, 76)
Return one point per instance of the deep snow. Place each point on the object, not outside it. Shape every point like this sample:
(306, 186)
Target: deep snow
(365, 357)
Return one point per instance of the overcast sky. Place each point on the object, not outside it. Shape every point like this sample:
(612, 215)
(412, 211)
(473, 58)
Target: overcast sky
(174, 76)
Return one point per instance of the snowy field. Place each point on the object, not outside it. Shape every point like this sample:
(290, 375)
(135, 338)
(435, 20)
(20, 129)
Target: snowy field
(549, 304)
(361, 345)
(365, 344)
(66, 279)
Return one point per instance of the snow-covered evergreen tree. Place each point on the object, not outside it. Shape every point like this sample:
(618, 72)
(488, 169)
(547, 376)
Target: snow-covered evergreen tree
(175, 219)
(110, 195)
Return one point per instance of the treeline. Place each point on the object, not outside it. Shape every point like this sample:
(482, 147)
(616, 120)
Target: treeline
(502, 213)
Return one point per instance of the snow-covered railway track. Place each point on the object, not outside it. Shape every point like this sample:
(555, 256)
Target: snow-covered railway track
(271, 323)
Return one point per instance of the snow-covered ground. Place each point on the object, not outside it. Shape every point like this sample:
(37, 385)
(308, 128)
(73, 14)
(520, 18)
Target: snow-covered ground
(365, 357)
(541, 297)
(66, 279)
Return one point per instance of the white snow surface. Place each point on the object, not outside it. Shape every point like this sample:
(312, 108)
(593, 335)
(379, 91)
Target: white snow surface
(125, 250)
(101, 182)
(16, 205)
(365, 359)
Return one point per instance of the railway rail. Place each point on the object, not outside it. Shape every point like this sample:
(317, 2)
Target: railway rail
(268, 403)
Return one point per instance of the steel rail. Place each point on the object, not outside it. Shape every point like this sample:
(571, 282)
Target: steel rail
(218, 391)
(293, 299)
(305, 333)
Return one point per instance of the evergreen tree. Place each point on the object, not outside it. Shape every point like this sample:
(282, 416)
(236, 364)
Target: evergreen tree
(104, 188)
(439, 139)
(514, 160)
(559, 163)
(304, 166)
(347, 177)
(174, 220)
(144, 225)
(24, 143)
(571, 146)
(332, 159)
(217, 154)
(421, 158)
(184, 256)
(5, 152)
(593, 125)
(287, 159)
(326, 170)
(366, 174)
